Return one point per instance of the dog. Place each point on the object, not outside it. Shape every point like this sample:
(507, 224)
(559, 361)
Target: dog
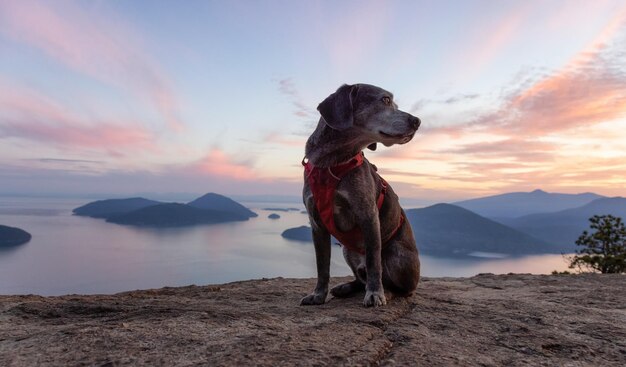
(344, 196)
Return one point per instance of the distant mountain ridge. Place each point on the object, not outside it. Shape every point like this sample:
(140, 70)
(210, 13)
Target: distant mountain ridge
(562, 228)
(449, 230)
(517, 204)
(210, 208)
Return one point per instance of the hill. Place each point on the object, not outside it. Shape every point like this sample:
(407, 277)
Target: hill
(486, 320)
(449, 230)
(516, 204)
(113, 207)
(11, 236)
(213, 201)
(174, 215)
(562, 228)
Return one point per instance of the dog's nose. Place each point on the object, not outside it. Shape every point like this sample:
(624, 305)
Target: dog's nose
(415, 122)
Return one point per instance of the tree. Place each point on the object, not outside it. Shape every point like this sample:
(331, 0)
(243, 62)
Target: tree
(603, 250)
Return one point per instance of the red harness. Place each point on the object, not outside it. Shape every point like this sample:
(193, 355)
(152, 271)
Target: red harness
(323, 183)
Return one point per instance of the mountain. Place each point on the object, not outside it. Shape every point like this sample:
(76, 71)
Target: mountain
(112, 207)
(562, 228)
(517, 204)
(449, 230)
(11, 236)
(218, 202)
(174, 215)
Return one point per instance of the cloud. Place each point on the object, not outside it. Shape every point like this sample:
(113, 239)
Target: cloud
(288, 141)
(512, 148)
(28, 115)
(93, 45)
(559, 130)
(217, 163)
(288, 88)
(17, 180)
(461, 97)
(60, 160)
(588, 90)
(589, 94)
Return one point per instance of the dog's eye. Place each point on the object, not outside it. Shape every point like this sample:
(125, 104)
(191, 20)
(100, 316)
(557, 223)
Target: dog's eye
(387, 100)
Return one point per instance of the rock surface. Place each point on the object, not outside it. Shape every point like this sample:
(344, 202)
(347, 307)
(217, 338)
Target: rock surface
(485, 320)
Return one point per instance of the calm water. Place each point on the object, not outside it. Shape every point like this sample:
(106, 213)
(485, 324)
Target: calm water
(70, 254)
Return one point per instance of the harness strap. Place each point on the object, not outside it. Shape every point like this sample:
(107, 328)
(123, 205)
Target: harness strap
(323, 184)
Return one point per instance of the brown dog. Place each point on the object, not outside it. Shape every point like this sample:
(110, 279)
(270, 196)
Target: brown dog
(361, 210)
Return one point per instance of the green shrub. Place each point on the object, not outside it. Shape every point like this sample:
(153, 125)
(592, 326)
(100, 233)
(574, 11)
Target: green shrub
(604, 250)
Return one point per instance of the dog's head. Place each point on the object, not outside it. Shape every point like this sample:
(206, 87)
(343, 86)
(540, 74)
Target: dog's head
(369, 111)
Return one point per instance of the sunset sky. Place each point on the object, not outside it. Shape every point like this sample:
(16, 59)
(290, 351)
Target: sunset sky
(123, 97)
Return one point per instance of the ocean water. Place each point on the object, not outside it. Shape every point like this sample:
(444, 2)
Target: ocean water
(70, 254)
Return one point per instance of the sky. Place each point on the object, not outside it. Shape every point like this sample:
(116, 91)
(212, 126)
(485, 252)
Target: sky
(115, 98)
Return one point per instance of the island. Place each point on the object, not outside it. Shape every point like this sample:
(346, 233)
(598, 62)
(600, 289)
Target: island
(12, 236)
(273, 216)
(222, 203)
(302, 233)
(208, 209)
(113, 207)
(174, 215)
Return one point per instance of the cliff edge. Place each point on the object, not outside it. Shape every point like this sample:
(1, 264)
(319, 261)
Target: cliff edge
(485, 320)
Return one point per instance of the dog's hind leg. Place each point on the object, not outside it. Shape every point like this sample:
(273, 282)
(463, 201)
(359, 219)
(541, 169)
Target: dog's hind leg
(401, 270)
(357, 265)
(348, 289)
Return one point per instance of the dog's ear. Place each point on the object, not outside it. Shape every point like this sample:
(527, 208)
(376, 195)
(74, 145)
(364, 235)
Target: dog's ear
(337, 109)
(372, 146)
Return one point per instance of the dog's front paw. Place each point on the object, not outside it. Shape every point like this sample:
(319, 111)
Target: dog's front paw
(374, 299)
(313, 299)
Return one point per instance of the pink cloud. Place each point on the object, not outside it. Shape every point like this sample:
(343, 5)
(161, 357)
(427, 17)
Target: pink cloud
(514, 148)
(218, 163)
(99, 136)
(560, 132)
(31, 116)
(88, 43)
(589, 89)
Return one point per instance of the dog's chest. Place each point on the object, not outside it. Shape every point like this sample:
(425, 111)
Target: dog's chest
(343, 217)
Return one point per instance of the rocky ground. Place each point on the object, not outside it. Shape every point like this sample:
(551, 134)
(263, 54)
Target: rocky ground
(485, 320)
